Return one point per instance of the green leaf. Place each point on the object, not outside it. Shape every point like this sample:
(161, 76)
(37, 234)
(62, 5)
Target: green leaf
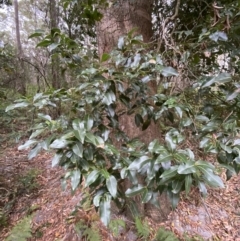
(188, 183)
(105, 57)
(170, 144)
(204, 165)
(17, 105)
(146, 124)
(212, 179)
(202, 188)
(169, 174)
(134, 191)
(187, 168)
(109, 98)
(136, 60)
(80, 135)
(53, 46)
(186, 122)
(174, 199)
(111, 183)
(164, 157)
(91, 138)
(92, 177)
(138, 120)
(155, 147)
(169, 71)
(233, 95)
(146, 79)
(177, 186)
(44, 117)
(204, 142)
(219, 35)
(36, 34)
(27, 144)
(35, 151)
(138, 163)
(78, 125)
(75, 179)
(36, 133)
(78, 149)
(179, 111)
(59, 144)
(228, 149)
(147, 195)
(228, 167)
(223, 78)
(44, 43)
(202, 118)
(210, 81)
(121, 42)
(56, 159)
(105, 210)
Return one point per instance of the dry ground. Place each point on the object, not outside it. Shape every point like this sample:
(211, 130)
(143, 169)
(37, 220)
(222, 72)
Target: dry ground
(215, 218)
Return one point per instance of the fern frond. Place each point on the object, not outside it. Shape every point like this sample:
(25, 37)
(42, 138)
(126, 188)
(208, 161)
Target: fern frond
(115, 225)
(92, 234)
(21, 231)
(164, 235)
(143, 229)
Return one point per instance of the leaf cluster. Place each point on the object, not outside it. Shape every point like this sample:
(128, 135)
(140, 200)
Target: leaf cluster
(99, 156)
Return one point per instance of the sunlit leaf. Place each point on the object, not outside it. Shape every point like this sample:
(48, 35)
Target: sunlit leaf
(78, 149)
(92, 177)
(134, 191)
(17, 105)
(56, 159)
(111, 183)
(75, 179)
(27, 144)
(105, 210)
(169, 71)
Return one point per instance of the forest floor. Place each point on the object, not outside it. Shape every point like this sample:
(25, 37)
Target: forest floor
(34, 188)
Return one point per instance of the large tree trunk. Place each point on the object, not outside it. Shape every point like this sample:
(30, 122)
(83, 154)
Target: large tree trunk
(118, 20)
(21, 78)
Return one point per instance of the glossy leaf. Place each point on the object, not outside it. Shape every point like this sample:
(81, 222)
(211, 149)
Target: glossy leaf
(105, 57)
(59, 144)
(212, 179)
(92, 177)
(188, 183)
(146, 196)
(78, 149)
(137, 164)
(75, 179)
(80, 135)
(177, 186)
(27, 144)
(121, 42)
(169, 174)
(34, 151)
(169, 71)
(17, 105)
(134, 191)
(111, 183)
(187, 168)
(105, 210)
(56, 159)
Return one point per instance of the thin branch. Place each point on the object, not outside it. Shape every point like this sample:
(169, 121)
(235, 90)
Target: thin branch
(167, 20)
(37, 68)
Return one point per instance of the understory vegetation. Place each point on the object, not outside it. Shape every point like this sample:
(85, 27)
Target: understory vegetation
(93, 109)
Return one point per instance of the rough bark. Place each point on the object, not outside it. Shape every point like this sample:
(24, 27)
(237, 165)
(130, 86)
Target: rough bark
(56, 82)
(118, 20)
(21, 80)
